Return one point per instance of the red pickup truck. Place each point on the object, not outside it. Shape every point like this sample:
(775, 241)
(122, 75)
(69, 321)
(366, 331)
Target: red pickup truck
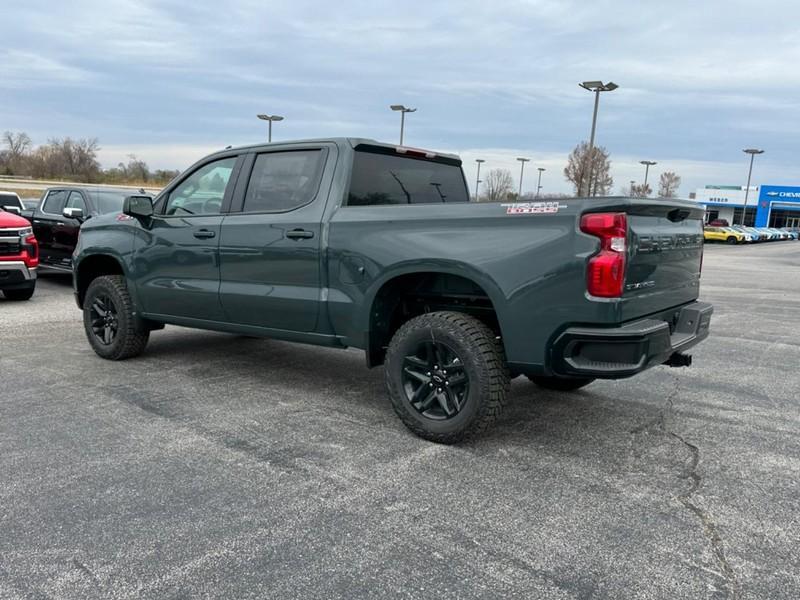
(19, 257)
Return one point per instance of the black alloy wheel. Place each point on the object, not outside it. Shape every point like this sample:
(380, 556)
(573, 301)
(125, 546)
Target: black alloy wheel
(109, 319)
(104, 319)
(435, 381)
(446, 376)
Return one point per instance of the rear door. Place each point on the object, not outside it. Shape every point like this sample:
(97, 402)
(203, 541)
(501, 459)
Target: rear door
(46, 219)
(176, 253)
(270, 246)
(664, 259)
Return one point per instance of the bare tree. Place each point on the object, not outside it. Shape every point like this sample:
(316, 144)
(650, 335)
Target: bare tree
(578, 170)
(17, 147)
(668, 184)
(499, 184)
(641, 190)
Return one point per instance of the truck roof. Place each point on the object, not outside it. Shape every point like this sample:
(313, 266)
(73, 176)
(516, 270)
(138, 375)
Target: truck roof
(350, 141)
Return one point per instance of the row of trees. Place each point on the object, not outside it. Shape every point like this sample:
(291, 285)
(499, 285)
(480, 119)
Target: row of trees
(589, 174)
(71, 160)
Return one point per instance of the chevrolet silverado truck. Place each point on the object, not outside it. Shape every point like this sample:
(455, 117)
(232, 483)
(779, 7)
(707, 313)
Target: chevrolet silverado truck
(19, 257)
(58, 217)
(354, 243)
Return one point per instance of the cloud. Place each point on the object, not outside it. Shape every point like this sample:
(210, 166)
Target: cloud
(165, 79)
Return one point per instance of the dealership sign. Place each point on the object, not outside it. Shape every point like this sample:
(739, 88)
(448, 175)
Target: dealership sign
(775, 195)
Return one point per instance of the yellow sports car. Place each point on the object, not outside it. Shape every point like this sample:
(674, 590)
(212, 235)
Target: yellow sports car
(722, 234)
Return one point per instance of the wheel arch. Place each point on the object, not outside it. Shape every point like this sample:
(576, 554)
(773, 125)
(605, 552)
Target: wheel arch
(410, 290)
(90, 268)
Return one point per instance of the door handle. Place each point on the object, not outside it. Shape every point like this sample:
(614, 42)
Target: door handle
(59, 224)
(299, 234)
(203, 234)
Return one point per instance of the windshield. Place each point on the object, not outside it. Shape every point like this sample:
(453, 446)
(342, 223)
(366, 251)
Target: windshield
(10, 200)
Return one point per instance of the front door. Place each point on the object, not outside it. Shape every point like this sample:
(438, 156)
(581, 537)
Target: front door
(46, 221)
(65, 232)
(176, 253)
(270, 246)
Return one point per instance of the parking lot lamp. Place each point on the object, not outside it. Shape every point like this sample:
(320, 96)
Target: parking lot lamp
(539, 183)
(752, 152)
(478, 177)
(403, 110)
(522, 162)
(270, 119)
(647, 164)
(596, 87)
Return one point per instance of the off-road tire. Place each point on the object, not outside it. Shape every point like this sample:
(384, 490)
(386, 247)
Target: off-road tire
(483, 361)
(19, 294)
(561, 384)
(131, 337)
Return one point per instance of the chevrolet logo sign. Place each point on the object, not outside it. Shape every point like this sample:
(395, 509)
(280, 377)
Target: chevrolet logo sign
(772, 193)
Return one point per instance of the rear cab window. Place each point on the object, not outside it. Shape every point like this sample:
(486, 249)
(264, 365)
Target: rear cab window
(382, 176)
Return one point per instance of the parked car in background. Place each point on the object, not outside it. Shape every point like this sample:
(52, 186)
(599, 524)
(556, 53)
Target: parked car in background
(749, 236)
(60, 213)
(719, 223)
(10, 202)
(19, 257)
(723, 234)
(793, 233)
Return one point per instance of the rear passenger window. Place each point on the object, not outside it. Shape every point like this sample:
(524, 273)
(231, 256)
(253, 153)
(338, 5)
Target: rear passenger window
(283, 181)
(55, 202)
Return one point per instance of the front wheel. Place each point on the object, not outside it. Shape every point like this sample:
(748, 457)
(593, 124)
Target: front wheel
(731, 240)
(561, 384)
(446, 376)
(109, 320)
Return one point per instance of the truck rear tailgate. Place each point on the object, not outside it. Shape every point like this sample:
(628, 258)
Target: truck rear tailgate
(665, 253)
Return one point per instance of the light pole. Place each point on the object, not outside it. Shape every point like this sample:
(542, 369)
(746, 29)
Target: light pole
(539, 184)
(647, 164)
(596, 87)
(522, 162)
(752, 152)
(633, 182)
(478, 177)
(270, 118)
(403, 110)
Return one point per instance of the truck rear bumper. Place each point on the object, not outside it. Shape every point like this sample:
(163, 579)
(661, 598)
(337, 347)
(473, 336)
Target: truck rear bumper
(624, 351)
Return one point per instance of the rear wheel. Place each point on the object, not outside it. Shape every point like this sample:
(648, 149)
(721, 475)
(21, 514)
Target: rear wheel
(109, 320)
(561, 384)
(446, 376)
(20, 293)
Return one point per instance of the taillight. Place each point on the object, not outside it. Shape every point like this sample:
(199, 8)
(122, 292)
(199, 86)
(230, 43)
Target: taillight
(605, 272)
(30, 251)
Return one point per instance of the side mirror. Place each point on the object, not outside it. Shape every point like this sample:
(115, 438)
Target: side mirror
(13, 209)
(138, 206)
(73, 213)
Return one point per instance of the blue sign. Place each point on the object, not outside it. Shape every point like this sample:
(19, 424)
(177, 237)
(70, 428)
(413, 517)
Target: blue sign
(779, 195)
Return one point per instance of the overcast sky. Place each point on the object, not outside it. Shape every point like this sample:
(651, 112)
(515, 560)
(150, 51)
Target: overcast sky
(173, 80)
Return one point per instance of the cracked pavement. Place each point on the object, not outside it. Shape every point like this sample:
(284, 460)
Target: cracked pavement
(221, 467)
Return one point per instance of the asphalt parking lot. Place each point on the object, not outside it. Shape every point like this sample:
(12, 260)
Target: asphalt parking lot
(216, 466)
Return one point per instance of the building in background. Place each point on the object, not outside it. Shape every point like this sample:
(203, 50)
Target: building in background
(767, 205)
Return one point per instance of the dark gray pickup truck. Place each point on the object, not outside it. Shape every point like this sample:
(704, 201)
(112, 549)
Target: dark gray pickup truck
(350, 242)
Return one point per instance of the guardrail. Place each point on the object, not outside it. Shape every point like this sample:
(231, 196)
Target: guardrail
(22, 183)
